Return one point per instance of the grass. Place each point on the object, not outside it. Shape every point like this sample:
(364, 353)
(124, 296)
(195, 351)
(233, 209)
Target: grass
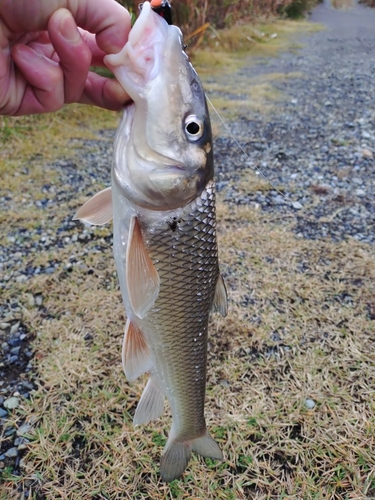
(27, 142)
(288, 337)
(230, 48)
(250, 94)
(299, 328)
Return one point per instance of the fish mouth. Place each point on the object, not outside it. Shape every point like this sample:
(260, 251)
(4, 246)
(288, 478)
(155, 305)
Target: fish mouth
(179, 168)
(171, 173)
(141, 59)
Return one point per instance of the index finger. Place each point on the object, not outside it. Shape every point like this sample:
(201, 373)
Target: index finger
(106, 18)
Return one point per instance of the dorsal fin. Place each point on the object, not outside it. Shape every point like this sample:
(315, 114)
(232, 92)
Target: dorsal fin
(141, 275)
(98, 209)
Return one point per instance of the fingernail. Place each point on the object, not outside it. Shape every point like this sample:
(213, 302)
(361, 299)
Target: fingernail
(68, 28)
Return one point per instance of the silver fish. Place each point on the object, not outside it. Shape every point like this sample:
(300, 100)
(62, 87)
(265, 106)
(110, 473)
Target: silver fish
(163, 205)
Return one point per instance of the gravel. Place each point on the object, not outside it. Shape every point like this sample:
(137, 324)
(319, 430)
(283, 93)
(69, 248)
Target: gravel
(319, 147)
(310, 404)
(17, 377)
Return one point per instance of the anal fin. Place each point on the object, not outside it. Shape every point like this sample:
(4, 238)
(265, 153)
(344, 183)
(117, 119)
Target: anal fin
(136, 356)
(142, 278)
(98, 209)
(151, 404)
(220, 302)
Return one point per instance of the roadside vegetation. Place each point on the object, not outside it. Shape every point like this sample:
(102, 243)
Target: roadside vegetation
(193, 15)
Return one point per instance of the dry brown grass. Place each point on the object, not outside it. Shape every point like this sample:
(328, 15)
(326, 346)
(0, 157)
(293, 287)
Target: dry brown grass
(191, 15)
(250, 94)
(40, 138)
(230, 49)
(299, 327)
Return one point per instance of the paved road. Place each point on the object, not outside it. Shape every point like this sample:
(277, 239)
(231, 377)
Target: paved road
(354, 23)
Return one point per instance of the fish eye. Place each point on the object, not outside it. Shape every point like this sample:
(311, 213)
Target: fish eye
(193, 128)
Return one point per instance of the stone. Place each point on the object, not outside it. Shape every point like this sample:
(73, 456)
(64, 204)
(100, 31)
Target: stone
(21, 278)
(12, 453)
(11, 403)
(38, 300)
(367, 153)
(310, 404)
(14, 328)
(24, 429)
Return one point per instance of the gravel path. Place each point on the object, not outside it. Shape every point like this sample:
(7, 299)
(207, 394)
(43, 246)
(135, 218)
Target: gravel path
(319, 146)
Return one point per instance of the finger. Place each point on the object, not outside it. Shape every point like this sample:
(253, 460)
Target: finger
(106, 18)
(45, 49)
(112, 31)
(5, 85)
(44, 91)
(104, 92)
(74, 54)
(96, 53)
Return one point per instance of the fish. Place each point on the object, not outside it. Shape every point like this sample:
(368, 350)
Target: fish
(162, 201)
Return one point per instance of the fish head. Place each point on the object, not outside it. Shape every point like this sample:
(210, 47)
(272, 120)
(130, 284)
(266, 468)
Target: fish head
(166, 159)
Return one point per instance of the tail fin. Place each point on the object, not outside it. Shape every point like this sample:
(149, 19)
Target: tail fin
(174, 460)
(206, 446)
(177, 454)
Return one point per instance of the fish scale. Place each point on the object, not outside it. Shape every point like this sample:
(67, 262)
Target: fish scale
(181, 311)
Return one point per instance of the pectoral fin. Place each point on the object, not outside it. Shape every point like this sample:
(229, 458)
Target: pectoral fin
(136, 356)
(220, 302)
(98, 209)
(141, 275)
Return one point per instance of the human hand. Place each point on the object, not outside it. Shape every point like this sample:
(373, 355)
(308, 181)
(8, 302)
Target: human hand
(45, 59)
